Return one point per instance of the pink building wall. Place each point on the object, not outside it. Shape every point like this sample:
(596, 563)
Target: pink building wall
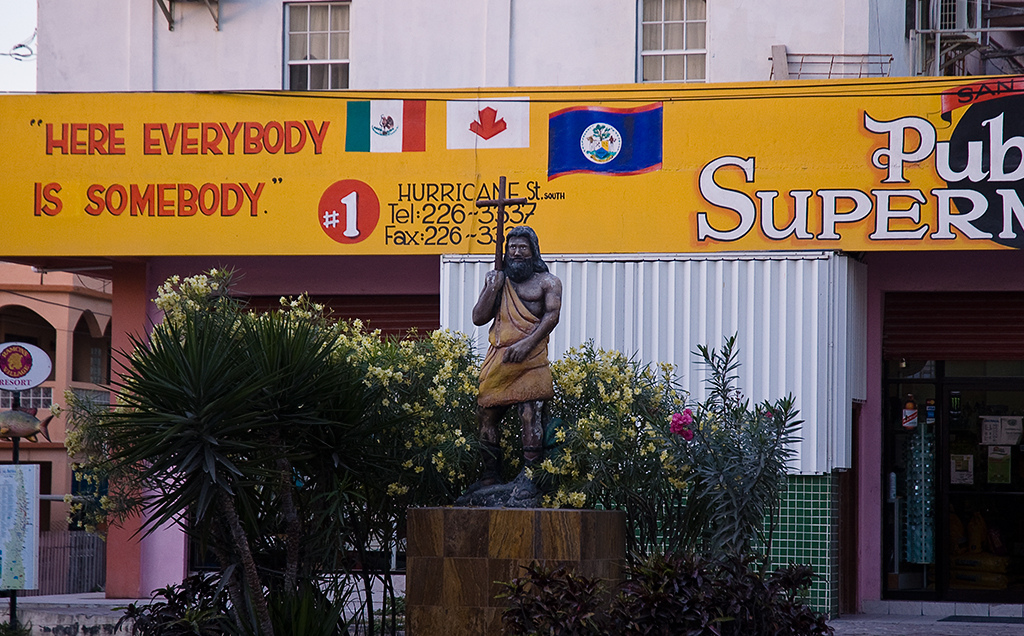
(896, 272)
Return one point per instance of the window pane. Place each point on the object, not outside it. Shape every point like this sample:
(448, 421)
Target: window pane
(652, 68)
(696, 9)
(652, 37)
(318, 17)
(37, 398)
(695, 36)
(318, 46)
(317, 77)
(339, 46)
(297, 80)
(297, 46)
(318, 31)
(675, 67)
(695, 67)
(339, 17)
(673, 9)
(339, 76)
(652, 10)
(297, 17)
(673, 37)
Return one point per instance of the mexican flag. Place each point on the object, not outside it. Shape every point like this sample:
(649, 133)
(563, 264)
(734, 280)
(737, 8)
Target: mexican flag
(386, 125)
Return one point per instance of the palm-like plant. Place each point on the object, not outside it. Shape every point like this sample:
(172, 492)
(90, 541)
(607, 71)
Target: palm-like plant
(245, 430)
(187, 437)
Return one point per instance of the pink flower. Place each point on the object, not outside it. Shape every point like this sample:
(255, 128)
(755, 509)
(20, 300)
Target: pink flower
(681, 424)
(677, 424)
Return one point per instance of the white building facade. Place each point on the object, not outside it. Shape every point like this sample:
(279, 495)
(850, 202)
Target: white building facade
(133, 45)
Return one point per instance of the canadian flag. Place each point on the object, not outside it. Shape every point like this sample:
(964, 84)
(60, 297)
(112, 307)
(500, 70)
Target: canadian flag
(493, 123)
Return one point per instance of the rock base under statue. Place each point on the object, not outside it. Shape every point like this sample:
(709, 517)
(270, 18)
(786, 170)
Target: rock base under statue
(456, 556)
(521, 492)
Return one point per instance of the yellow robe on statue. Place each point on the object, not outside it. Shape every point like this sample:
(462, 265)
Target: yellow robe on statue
(503, 383)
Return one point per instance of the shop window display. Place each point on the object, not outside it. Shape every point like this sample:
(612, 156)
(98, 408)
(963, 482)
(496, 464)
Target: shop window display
(953, 460)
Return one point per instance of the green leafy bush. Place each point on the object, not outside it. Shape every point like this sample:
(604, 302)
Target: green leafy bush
(6, 629)
(665, 595)
(737, 454)
(289, 445)
(554, 602)
(307, 611)
(673, 595)
(689, 476)
(609, 450)
(196, 607)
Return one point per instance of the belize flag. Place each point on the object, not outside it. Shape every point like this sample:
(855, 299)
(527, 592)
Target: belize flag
(600, 140)
(386, 125)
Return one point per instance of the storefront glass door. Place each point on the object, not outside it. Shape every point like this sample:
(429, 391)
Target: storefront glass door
(985, 490)
(954, 511)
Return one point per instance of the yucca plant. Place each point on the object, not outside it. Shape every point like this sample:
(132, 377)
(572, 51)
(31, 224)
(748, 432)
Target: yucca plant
(190, 438)
(250, 434)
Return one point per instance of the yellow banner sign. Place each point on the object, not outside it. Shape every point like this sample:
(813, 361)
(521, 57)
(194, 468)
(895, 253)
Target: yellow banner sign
(921, 164)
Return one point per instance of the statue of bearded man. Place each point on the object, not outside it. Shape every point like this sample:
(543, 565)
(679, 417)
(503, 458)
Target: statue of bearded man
(523, 303)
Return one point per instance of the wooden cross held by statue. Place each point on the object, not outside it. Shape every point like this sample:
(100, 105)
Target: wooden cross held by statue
(499, 202)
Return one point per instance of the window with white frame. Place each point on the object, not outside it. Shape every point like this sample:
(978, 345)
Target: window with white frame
(672, 40)
(40, 397)
(317, 46)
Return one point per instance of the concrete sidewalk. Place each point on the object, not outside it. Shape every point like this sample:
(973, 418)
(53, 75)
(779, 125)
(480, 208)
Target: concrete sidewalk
(69, 614)
(95, 615)
(884, 624)
(911, 618)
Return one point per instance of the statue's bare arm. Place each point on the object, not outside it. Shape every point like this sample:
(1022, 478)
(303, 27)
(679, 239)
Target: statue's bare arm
(487, 304)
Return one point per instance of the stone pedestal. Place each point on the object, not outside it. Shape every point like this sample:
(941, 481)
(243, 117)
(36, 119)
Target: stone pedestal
(455, 556)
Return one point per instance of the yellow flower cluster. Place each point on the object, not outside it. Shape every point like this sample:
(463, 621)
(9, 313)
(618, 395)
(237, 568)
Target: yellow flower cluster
(573, 499)
(177, 294)
(611, 409)
(396, 489)
(381, 375)
(354, 344)
(302, 308)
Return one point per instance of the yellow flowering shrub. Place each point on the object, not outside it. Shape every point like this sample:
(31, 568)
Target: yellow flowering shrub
(427, 388)
(608, 440)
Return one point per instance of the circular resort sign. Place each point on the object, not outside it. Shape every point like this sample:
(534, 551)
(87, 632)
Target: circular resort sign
(23, 366)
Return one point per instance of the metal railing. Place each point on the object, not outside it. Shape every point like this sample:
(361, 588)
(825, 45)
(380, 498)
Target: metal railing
(70, 563)
(948, 33)
(834, 65)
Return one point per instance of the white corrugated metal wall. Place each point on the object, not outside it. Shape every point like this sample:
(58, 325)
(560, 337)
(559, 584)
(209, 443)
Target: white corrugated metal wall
(800, 319)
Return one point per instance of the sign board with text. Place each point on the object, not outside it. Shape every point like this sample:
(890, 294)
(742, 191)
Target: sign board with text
(23, 366)
(19, 527)
(919, 164)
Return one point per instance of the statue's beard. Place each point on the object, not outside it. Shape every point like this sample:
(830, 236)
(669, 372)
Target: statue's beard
(518, 270)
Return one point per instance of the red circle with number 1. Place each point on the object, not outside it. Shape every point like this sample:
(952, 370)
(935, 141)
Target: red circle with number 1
(348, 211)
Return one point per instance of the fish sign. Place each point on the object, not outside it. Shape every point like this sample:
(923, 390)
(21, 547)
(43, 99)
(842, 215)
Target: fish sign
(23, 366)
(21, 424)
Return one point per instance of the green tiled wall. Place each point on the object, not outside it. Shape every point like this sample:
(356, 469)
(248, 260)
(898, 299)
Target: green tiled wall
(806, 534)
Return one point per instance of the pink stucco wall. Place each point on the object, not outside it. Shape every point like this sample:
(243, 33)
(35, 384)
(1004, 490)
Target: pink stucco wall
(292, 275)
(895, 272)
